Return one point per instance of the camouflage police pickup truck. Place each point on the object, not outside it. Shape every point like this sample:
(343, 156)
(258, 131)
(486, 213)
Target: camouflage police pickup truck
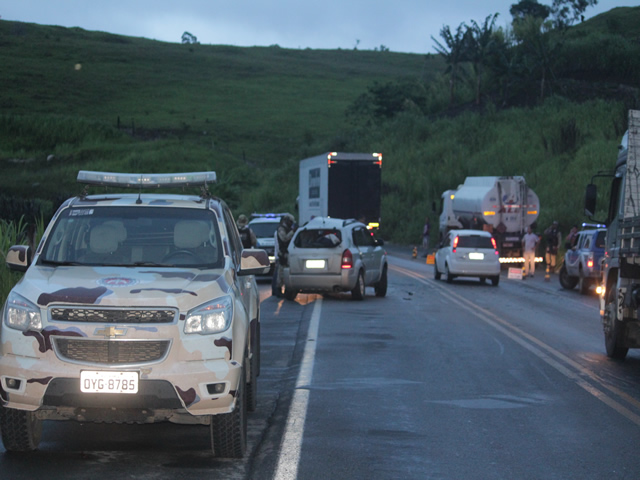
(137, 307)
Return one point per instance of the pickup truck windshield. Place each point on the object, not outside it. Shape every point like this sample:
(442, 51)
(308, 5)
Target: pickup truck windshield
(129, 236)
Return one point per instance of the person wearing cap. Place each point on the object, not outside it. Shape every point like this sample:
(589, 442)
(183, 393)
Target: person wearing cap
(553, 238)
(247, 236)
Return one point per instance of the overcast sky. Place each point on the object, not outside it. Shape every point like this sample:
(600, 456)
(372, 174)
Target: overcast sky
(399, 25)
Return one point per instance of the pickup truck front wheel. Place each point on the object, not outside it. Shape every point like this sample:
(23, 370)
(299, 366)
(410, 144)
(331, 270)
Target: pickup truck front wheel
(613, 328)
(21, 430)
(229, 430)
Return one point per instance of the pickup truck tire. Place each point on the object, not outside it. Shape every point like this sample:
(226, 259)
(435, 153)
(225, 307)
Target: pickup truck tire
(21, 430)
(584, 284)
(252, 383)
(613, 328)
(358, 291)
(436, 272)
(381, 286)
(229, 430)
(567, 281)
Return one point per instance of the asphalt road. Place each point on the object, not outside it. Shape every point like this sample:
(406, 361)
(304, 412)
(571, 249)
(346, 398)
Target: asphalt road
(436, 380)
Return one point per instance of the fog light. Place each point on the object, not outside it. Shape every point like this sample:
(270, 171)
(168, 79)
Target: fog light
(13, 383)
(215, 388)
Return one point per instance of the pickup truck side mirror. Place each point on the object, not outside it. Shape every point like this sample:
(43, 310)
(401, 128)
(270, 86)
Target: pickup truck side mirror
(590, 197)
(19, 258)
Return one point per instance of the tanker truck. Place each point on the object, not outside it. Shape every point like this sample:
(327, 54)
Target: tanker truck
(504, 206)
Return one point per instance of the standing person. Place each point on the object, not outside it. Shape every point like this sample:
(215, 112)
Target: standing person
(282, 237)
(553, 238)
(247, 236)
(426, 231)
(529, 244)
(571, 239)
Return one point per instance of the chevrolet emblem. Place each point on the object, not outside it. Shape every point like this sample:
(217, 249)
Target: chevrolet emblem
(110, 332)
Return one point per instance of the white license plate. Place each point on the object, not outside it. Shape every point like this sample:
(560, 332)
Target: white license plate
(315, 264)
(92, 381)
(476, 256)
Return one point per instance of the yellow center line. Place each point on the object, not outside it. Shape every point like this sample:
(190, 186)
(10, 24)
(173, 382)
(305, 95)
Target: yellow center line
(561, 363)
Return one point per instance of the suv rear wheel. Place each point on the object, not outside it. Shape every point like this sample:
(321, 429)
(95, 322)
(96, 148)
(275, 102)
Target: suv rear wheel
(358, 291)
(381, 286)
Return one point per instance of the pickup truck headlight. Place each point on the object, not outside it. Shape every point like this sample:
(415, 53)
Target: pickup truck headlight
(21, 314)
(212, 317)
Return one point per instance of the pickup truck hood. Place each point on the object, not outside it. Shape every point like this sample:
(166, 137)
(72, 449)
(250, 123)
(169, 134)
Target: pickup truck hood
(122, 287)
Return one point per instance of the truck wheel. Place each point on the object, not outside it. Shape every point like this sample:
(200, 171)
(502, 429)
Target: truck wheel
(229, 430)
(358, 291)
(613, 328)
(448, 274)
(436, 272)
(584, 284)
(21, 430)
(567, 281)
(381, 286)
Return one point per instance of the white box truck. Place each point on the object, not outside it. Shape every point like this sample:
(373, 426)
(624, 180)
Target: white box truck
(341, 185)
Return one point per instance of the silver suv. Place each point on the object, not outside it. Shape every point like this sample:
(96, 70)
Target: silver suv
(135, 308)
(334, 255)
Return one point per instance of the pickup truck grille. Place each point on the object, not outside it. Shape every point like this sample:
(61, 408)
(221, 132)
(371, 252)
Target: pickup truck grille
(112, 352)
(97, 315)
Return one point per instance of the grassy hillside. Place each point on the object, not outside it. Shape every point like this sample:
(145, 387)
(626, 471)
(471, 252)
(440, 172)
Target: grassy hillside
(74, 100)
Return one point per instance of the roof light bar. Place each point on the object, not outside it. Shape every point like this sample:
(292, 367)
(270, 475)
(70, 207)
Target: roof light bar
(269, 215)
(146, 180)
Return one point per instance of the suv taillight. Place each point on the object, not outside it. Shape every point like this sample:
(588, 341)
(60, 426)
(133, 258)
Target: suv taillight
(590, 260)
(347, 259)
(455, 243)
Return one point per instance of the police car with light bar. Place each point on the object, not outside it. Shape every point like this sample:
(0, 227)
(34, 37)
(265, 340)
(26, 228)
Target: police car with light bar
(134, 308)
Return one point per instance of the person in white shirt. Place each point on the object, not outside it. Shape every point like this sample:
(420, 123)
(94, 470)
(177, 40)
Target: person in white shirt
(529, 242)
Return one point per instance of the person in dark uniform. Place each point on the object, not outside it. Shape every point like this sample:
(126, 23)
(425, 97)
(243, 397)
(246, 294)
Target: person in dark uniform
(282, 237)
(247, 236)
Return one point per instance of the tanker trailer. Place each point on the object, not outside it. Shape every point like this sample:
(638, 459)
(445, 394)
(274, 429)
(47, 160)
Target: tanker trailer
(504, 206)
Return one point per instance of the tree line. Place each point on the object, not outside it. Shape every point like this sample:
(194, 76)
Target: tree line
(536, 56)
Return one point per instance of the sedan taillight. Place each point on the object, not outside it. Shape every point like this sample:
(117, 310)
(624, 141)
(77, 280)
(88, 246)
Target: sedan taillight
(347, 259)
(495, 246)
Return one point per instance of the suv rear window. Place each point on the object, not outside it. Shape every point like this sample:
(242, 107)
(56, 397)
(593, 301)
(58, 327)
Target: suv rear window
(318, 238)
(600, 239)
(474, 241)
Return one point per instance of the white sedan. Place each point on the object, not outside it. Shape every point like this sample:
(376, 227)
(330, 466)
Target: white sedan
(468, 253)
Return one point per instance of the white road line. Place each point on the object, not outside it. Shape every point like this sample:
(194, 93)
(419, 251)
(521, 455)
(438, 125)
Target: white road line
(294, 430)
